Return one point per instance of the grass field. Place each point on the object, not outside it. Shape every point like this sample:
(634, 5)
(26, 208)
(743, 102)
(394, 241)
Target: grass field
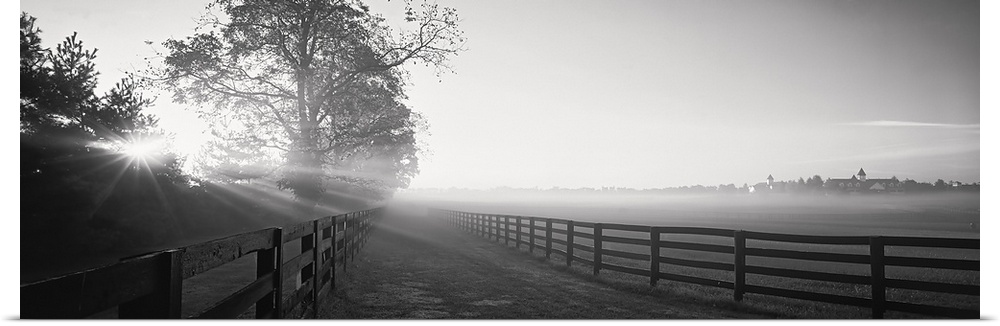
(952, 216)
(945, 215)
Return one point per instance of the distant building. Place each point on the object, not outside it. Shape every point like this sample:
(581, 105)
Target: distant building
(860, 183)
(768, 186)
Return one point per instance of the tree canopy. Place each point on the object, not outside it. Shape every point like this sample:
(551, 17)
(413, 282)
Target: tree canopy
(86, 160)
(315, 83)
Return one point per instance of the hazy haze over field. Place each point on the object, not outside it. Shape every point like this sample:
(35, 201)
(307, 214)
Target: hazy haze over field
(950, 214)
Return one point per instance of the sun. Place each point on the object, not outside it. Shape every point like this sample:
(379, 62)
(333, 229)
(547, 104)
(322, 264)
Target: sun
(141, 149)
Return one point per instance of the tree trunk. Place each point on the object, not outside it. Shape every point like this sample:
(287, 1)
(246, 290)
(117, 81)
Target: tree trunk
(304, 174)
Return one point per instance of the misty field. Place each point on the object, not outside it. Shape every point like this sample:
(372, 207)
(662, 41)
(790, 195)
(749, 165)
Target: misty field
(934, 215)
(941, 215)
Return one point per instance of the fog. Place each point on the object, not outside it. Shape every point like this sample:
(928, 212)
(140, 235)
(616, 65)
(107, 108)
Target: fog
(949, 214)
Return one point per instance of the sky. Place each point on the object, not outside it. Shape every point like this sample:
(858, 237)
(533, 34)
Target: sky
(649, 94)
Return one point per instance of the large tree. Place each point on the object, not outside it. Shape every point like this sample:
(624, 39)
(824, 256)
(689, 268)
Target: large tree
(317, 82)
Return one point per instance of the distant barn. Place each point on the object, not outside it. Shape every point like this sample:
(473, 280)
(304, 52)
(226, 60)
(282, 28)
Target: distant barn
(860, 183)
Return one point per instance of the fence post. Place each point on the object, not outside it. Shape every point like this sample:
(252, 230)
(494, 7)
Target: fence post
(333, 253)
(569, 243)
(548, 238)
(347, 244)
(654, 255)
(481, 224)
(362, 229)
(317, 266)
(269, 261)
(531, 235)
(506, 230)
(598, 231)
(493, 230)
(739, 265)
(877, 250)
(306, 243)
(354, 236)
(165, 302)
(348, 236)
(517, 232)
(498, 229)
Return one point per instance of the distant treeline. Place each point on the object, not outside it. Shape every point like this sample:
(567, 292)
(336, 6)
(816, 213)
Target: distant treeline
(814, 186)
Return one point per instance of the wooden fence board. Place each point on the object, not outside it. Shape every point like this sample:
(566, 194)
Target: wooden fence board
(957, 264)
(932, 242)
(807, 255)
(586, 261)
(697, 263)
(697, 246)
(694, 231)
(236, 303)
(296, 231)
(933, 286)
(201, 257)
(814, 239)
(809, 275)
(325, 222)
(294, 265)
(298, 297)
(559, 221)
(625, 227)
(932, 310)
(624, 254)
(696, 280)
(583, 247)
(625, 269)
(641, 242)
(88, 292)
(821, 297)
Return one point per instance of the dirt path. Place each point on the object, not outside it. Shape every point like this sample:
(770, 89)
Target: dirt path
(417, 267)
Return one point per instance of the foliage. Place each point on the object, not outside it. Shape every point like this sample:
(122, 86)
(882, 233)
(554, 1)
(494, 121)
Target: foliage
(76, 178)
(318, 84)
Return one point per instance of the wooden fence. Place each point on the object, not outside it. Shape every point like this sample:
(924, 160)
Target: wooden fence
(508, 228)
(149, 285)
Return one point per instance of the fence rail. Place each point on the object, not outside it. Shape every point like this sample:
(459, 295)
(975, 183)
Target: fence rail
(652, 238)
(149, 286)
